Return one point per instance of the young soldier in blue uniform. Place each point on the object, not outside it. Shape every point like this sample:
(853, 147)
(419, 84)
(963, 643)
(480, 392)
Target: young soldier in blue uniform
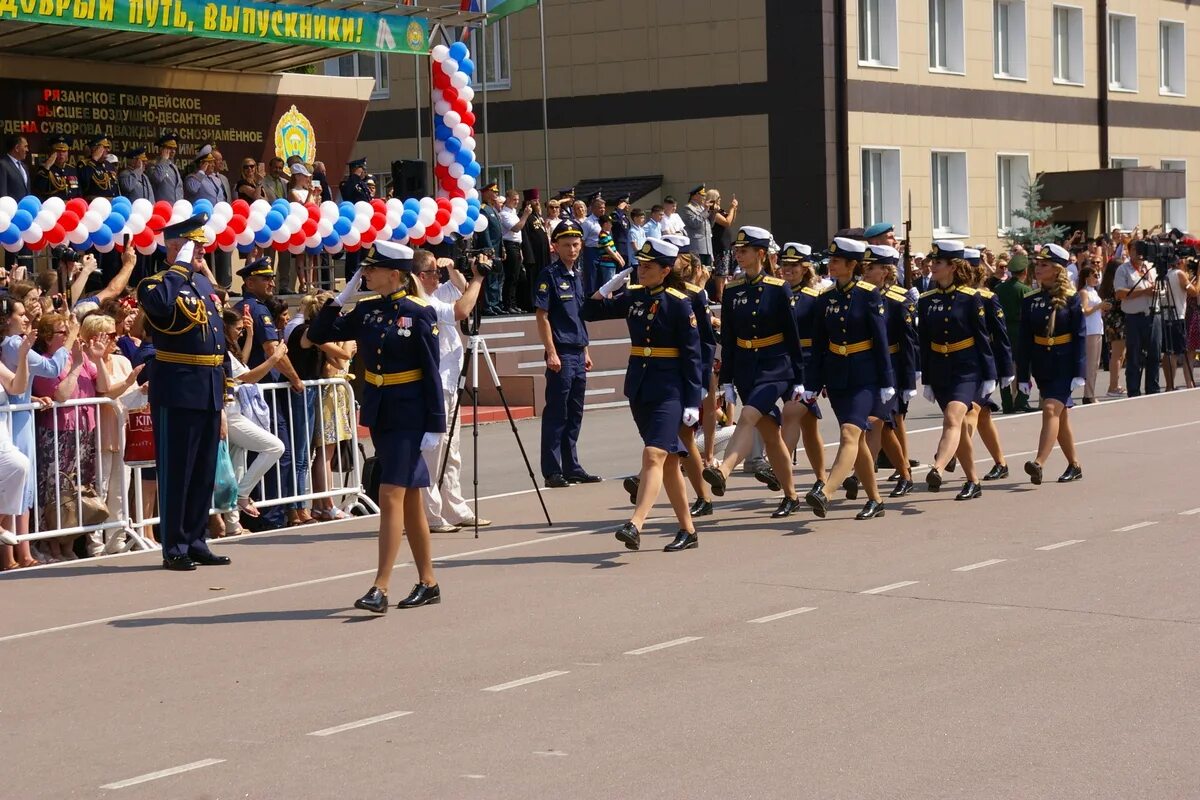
(957, 367)
(188, 383)
(980, 418)
(662, 380)
(355, 189)
(57, 176)
(760, 358)
(97, 177)
(851, 362)
(558, 300)
(1051, 350)
(396, 331)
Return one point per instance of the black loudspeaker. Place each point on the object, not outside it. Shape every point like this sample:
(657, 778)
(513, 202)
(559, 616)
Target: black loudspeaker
(408, 179)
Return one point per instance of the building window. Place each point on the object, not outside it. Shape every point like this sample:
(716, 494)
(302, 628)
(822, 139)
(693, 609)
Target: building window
(1174, 211)
(1172, 72)
(877, 39)
(363, 65)
(491, 55)
(501, 174)
(1012, 179)
(1068, 44)
(1122, 52)
(1008, 17)
(880, 186)
(949, 195)
(1122, 213)
(946, 35)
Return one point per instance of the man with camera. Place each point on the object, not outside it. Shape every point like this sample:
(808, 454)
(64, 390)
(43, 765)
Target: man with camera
(1135, 287)
(453, 301)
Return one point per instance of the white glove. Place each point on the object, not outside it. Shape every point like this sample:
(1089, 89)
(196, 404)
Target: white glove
(1025, 388)
(988, 388)
(606, 289)
(928, 392)
(350, 289)
(691, 416)
(909, 394)
(1076, 383)
(887, 393)
(730, 394)
(703, 395)
(798, 392)
(430, 441)
(1007, 380)
(918, 376)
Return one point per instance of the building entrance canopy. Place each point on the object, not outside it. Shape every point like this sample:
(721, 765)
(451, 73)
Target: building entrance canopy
(1126, 183)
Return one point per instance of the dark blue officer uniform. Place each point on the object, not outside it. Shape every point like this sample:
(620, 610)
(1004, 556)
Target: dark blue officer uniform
(850, 352)
(708, 335)
(1051, 345)
(997, 327)
(264, 324)
(956, 351)
(904, 345)
(354, 189)
(804, 311)
(188, 383)
(559, 293)
(760, 348)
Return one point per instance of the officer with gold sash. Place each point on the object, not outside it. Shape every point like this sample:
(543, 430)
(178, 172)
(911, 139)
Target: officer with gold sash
(188, 383)
(57, 176)
(97, 177)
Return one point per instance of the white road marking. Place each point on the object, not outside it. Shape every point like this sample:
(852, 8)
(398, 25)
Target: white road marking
(163, 773)
(558, 753)
(362, 723)
(663, 645)
(500, 687)
(474, 777)
(1057, 545)
(1189, 512)
(980, 564)
(1135, 526)
(783, 614)
(889, 587)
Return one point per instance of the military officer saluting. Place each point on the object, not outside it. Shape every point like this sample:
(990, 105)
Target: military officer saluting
(188, 382)
(97, 177)
(165, 179)
(134, 182)
(355, 189)
(56, 176)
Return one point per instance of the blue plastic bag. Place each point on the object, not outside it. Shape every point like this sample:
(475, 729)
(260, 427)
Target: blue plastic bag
(225, 489)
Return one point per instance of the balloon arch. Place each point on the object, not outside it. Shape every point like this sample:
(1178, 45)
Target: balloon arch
(330, 227)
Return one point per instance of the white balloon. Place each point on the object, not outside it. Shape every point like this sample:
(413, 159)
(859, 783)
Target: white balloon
(466, 182)
(148, 249)
(324, 228)
(182, 208)
(459, 80)
(290, 225)
(260, 206)
(436, 239)
(360, 224)
(333, 250)
(392, 219)
(209, 234)
(469, 143)
(352, 238)
(329, 210)
(451, 118)
(223, 209)
(5, 221)
(32, 234)
(462, 131)
(440, 108)
(295, 249)
(363, 209)
(417, 230)
(55, 205)
(245, 237)
(394, 204)
(436, 96)
(481, 224)
(281, 235)
(445, 158)
(456, 170)
(467, 93)
(8, 206)
(385, 233)
(439, 53)
(142, 207)
(428, 204)
(13, 248)
(77, 236)
(105, 248)
(102, 206)
(442, 193)
(45, 219)
(471, 194)
(450, 66)
(92, 221)
(218, 224)
(312, 241)
(134, 226)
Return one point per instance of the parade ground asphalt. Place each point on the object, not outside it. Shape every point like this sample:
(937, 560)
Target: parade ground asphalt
(1039, 642)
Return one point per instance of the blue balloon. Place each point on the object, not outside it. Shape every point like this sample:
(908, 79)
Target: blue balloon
(346, 209)
(10, 235)
(122, 202)
(202, 206)
(466, 66)
(86, 244)
(274, 220)
(262, 237)
(115, 221)
(245, 248)
(102, 236)
(453, 144)
(408, 218)
(459, 51)
(332, 240)
(472, 213)
(341, 226)
(22, 219)
(400, 231)
(473, 169)
(467, 228)
(313, 251)
(473, 202)
(441, 132)
(413, 205)
(465, 157)
(31, 204)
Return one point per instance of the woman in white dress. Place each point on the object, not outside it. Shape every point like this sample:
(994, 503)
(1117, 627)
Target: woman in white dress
(14, 466)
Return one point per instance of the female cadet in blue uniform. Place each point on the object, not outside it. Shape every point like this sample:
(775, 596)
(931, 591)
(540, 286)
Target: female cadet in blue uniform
(980, 418)
(761, 358)
(957, 367)
(396, 331)
(1051, 349)
(851, 362)
(662, 380)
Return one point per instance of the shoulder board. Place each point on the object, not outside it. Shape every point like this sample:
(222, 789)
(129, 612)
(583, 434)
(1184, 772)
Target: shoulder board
(693, 288)
(967, 290)
(155, 277)
(773, 281)
(988, 293)
(735, 282)
(677, 293)
(865, 285)
(825, 290)
(1033, 293)
(896, 293)
(634, 286)
(931, 291)
(369, 298)
(421, 301)
(810, 291)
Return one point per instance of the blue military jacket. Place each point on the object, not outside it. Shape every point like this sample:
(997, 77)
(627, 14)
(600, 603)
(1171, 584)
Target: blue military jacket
(955, 346)
(664, 351)
(1049, 353)
(398, 342)
(998, 331)
(708, 336)
(264, 331)
(191, 367)
(759, 342)
(804, 311)
(355, 189)
(904, 345)
(850, 339)
(560, 294)
(97, 179)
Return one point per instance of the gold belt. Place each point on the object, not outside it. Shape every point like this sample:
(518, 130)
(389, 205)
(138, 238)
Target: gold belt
(893, 348)
(188, 358)
(764, 341)
(851, 349)
(393, 378)
(953, 347)
(654, 352)
(1052, 341)
(806, 342)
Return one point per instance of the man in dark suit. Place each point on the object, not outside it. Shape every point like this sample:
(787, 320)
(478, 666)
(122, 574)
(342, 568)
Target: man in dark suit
(14, 178)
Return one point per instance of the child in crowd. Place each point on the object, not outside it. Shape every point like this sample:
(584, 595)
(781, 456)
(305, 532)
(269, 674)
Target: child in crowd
(610, 260)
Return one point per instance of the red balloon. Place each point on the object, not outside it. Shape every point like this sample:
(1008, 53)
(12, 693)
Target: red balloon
(351, 248)
(236, 224)
(432, 229)
(417, 242)
(440, 79)
(144, 239)
(161, 209)
(469, 118)
(297, 238)
(459, 106)
(450, 94)
(225, 238)
(378, 204)
(56, 235)
(314, 213)
(442, 216)
(368, 236)
(308, 228)
(156, 223)
(208, 248)
(40, 244)
(69, 220)
(241, 208)
(77, 206)
(280, 246)
(378, 221)
(443, 202)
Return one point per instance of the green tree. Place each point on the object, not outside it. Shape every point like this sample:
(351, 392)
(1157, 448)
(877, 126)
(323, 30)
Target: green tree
(1038, 228)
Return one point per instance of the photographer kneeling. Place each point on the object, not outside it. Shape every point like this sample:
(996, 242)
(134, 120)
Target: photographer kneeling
(453, 301)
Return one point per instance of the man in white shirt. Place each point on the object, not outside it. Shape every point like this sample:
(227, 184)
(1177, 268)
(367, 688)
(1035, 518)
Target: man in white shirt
(511, 225)
(591, 240)
(453, 301)
(1174, 316)
(672, 223)
(1134, 286)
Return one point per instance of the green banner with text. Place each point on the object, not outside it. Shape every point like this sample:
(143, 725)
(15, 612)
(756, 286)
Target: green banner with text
(272, 23)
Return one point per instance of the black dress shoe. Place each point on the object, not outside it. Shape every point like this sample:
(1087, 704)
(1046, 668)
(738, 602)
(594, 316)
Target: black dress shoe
(713, 477)
(374, 600)
(873, 508)
(179, 564)
(1074, 473)
(850, 487)
(895, 476)
(683, 541)
(631, 485)
(556, 482)
(210, 559)
(422, 595)
(628, 534)
(702, 508)
(1034, 471)
(969, 491)
(952, 464)
(766, 475)
(817, 501)
(583, 477)
(787, 507)
(997, 472)
(933, 481)
(903, 487)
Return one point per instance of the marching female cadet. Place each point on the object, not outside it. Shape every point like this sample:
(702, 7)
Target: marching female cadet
(980, 419)
(662, 380)
(850, 361)
(761, 359)
(957, 367)
(396, 331)
(800, 420)
(1051, 349)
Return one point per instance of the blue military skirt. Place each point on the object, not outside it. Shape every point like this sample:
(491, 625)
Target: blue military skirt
(400, 460)
(658, 424)
(1056, 388)
(856, 406)
(763, 397)
(966, 392)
